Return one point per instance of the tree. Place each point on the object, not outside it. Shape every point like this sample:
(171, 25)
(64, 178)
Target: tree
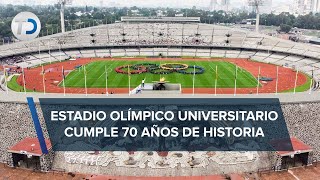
(285, 28)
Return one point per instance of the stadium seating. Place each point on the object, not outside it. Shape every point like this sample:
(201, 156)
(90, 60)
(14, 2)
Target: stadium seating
(166, 39)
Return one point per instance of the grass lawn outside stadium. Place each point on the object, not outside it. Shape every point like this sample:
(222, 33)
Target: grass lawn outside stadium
(13, 85)
(96, 76)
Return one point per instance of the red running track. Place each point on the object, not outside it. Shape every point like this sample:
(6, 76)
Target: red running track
(53, 76)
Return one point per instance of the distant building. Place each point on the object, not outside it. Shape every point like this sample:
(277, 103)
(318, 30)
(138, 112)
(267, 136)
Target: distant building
(213, 5)
(248, 21)
(216, 5)
(179, 15)
(283, 8)
(302, 7)
(135, 12)
(225, 5)
(266, 8)
(160, 19)
(160, 13)
(299, 7)
(315, 6)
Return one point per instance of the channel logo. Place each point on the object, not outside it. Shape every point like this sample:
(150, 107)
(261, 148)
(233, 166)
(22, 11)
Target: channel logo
(25, 26)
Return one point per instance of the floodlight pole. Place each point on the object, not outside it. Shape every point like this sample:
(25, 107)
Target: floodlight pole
(49, 52)
(212, 35)
(24, 81)
(255, 4)
(153, 36)
(129, 83)
(5, 78)
(106, 80)
(257, 18)
(235, 82)
(85, 80)
(277, 80)
(108, 34)
(168, 33)
(40, 54)
(62, 6)
(311, 81)
(215, 84)
(60, 52)
(198, 29)
(138, 32)
(258, 80)
(295, 82)
(194, 74)
(43, 80)
(63, 81)
(182, 33)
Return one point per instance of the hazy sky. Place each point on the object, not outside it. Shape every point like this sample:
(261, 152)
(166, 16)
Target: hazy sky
(144, 3)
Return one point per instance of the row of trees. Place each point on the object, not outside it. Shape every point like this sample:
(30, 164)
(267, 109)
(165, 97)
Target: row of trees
(309, 21)
(79, 17)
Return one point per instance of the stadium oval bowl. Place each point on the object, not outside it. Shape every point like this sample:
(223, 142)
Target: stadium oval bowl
(187, 40)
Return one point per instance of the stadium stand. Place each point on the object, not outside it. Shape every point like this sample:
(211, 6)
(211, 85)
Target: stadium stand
(214, 41)
(165, 39)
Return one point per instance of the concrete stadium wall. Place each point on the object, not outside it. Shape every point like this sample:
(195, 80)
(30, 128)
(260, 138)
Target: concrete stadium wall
(193, 47)
(15, 123)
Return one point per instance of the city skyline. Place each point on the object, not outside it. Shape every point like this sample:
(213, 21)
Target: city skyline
(145, 3)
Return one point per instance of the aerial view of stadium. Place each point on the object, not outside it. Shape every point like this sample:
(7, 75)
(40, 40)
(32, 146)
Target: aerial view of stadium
(109, 56)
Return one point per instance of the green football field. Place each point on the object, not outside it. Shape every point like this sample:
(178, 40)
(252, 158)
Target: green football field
(96, 76)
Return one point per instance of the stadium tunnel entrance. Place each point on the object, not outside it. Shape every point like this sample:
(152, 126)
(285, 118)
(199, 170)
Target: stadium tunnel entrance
(27, 154)
(26, 161)
(295, 160)
(301, 155)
